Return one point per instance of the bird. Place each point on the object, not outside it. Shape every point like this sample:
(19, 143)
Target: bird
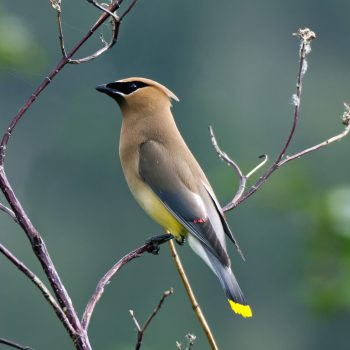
(168, 183)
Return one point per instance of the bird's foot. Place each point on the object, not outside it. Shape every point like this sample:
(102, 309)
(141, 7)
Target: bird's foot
(155, 241)
(180, 241)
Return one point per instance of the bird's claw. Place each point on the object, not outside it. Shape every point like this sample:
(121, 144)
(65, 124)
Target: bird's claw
(155, 241)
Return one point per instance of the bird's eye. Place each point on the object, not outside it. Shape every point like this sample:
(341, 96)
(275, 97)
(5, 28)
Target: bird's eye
(126, 88)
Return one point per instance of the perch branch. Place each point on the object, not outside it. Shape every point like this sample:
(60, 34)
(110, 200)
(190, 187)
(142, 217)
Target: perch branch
(43, 289)
(14, 345)
(195, 306)
(141, 330)
(150, 246)
(81, 340)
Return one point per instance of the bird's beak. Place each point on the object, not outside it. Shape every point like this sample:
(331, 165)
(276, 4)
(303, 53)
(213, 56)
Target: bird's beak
(103, 88)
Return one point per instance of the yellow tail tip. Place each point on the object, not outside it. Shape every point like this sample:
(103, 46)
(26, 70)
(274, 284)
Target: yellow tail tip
(243, 310)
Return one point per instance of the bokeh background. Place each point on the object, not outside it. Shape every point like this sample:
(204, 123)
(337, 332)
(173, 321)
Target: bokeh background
(233, 64)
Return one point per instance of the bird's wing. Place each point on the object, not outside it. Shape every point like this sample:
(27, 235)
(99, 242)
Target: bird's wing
(225, 225)
(171, 181)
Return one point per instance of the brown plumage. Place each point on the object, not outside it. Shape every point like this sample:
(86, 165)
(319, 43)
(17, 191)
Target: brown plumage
(167, 181)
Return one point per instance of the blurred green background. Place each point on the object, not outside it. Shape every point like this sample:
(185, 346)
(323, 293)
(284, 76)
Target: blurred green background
(233, 64)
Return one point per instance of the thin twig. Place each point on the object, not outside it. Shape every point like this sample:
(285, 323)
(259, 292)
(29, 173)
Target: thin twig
(14, 345)
(127, 11)
(242, 178)
(195, 306)
(150, 246)
(306, 36)
(265, 159)
(115, 23)
(38, 245)
(43, 289)
(223, 156)
(8, 211)
(191, 339)
(141, 330)
(65, 60)
(60, 35)
(346, 118)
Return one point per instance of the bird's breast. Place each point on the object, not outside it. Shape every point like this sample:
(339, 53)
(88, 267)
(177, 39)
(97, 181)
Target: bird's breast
(153, 206)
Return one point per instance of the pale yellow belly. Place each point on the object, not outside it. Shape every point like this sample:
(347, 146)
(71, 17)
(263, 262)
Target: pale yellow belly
(157, 211)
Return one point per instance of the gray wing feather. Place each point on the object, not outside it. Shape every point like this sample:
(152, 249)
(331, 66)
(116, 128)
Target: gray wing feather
(161, 173)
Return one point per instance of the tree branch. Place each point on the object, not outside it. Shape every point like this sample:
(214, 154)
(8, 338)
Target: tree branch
(195, 306)
(8, 211)
(242, 178)
(141, 330)
(151, 246)
(14, 345)
(81, 340)
(306, 36)
(43, 289)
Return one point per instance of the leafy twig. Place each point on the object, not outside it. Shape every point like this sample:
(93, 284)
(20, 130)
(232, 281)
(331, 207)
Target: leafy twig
(141, 330)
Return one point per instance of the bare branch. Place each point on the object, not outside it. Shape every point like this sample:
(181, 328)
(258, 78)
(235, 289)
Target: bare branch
(62, 63)
(141, 330)
(151, 246)
(14, 345)
(60, 35)
(129, 8)
(306, 36)
(166, 294)
(8, 211)
(195, 306)
(223, 156)
(115, 23)
(265, 159)
(242, 178)
(43, 289)
(81, 341)
(136, 323)
(318, 146)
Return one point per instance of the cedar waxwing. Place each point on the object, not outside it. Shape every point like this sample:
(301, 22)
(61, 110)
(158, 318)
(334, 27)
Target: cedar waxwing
(167, 181)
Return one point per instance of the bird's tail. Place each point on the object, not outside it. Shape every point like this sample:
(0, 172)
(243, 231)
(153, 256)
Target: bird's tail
(226, 277)
(230, 285)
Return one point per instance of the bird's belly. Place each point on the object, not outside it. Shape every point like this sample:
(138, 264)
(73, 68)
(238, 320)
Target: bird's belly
(152, 205)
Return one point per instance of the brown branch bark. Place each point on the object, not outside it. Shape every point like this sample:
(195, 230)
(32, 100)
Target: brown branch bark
(141, 330)
(151, 246)
(43, 289)
(306, 36)
(195, 305)
(80, 339)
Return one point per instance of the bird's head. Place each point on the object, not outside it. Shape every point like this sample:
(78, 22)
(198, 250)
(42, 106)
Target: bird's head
(138, 93)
